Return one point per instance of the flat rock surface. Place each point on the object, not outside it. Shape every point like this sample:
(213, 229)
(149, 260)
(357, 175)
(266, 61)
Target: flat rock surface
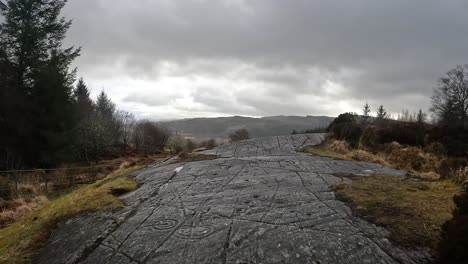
(261, 202)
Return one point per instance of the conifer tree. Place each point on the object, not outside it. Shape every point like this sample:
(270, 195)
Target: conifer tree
(381, 113)
(31, 36)
(366, 111)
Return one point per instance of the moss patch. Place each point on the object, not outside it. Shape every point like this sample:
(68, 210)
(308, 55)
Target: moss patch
(19, 241)
(412, 210)
(191, 157)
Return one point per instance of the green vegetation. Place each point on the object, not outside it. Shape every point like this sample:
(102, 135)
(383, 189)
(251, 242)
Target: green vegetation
(191, 157)
(417, 210)
(416, 161)
(412, 210)
(324, 151)
(18, 241)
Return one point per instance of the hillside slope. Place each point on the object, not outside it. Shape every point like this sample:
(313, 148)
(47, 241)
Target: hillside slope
(258, 127)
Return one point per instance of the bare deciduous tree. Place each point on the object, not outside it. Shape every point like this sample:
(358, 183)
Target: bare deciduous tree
(240, 134)
(149, 138)
(450, 98)
(127, 123)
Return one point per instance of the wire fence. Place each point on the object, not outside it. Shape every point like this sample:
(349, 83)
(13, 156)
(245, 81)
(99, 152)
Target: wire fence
(21, 183)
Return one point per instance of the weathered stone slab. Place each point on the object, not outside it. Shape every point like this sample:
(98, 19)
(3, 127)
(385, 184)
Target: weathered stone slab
(261, 203)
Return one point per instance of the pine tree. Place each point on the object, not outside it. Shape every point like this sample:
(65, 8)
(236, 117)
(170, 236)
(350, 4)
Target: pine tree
(110, 126)
(31, 35)
(381, 113)
(83, 100)
(421, 117)
(87, 141)
(104, 106)
(366, 111)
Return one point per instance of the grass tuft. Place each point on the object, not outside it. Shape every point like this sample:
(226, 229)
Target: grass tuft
(19, 241)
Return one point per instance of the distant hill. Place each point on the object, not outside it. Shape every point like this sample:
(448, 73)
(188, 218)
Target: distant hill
(258, 127)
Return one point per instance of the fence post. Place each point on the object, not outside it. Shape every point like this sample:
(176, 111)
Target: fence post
(16, 181)
(46, 179)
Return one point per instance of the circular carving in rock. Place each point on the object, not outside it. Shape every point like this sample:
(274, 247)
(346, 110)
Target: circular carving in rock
(261, 197)
(195, 232)
(166, 224)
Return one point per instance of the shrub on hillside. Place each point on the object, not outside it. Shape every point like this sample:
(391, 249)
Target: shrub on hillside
(177, 144)
(436, 149)
(460, 176)
(346, 127)
(389, 148)
(209, 144)
(369, 138)
(190, 145)
(448, 167)
(455, 140)
(150, 138)
(341, 147)
(454, 242)
(405, 133)
(410, 158)
(239, 135)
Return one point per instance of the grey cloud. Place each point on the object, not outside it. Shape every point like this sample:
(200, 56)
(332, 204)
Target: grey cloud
(388, 52)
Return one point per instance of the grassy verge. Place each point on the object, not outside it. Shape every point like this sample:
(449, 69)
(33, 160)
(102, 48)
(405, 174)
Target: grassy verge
(20, 240)
(412, 210)
(415, 161)
(191, 157)
(324, 151)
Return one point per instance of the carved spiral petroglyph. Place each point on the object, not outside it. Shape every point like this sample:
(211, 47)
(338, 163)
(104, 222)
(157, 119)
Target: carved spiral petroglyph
(195, 232)
(166, 224)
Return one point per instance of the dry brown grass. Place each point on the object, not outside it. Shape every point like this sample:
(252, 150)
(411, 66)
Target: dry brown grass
(19, 240)
(414, 160)
(412, 210)
(324, 151)
(362, 155)
(340, 146)
(460, 176)
(12, 211)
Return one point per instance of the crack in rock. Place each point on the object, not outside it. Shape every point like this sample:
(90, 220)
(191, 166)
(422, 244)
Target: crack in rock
(261, 202)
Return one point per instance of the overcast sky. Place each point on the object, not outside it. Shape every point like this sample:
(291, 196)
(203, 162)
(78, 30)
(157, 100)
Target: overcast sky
(167, 59)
